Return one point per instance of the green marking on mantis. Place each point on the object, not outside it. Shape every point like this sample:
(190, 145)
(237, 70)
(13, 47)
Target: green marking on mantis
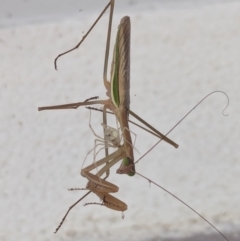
(115, 80)
(126, 163)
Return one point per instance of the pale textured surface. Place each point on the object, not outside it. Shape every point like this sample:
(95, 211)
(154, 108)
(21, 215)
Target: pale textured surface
(179, 54)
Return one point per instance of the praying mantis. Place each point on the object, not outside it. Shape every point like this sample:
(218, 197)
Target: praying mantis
(119, 103)
(118, 89)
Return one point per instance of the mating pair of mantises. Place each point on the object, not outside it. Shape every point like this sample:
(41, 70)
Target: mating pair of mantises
(118, 102)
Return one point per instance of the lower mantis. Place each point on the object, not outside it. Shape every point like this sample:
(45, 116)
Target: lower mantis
(102, 188)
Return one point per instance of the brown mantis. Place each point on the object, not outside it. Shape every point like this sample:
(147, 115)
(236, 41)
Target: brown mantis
(102, 188)
(118, 103)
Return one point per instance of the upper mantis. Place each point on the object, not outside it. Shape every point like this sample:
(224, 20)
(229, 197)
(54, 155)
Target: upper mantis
(118, 88)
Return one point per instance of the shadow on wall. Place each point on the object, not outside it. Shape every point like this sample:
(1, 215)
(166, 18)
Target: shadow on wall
(204, 237)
